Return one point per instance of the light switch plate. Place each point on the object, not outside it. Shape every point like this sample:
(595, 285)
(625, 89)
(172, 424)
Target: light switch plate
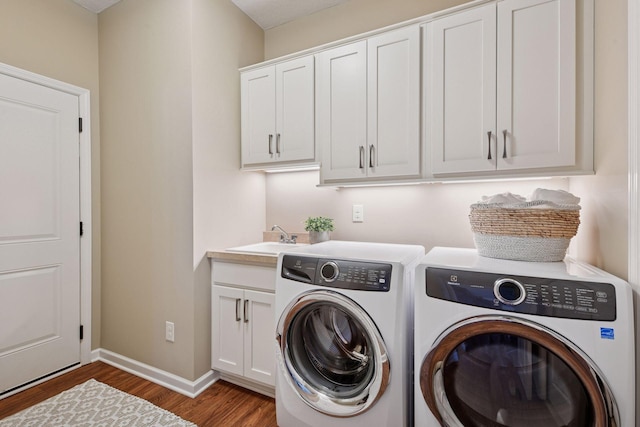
(170, 330)
(358, 213)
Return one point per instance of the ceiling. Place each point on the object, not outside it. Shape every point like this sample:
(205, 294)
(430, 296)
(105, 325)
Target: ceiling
(266, 13)
(271, 13)
(96, 6)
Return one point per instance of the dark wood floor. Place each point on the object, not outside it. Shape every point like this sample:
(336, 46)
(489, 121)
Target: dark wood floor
(222, 404)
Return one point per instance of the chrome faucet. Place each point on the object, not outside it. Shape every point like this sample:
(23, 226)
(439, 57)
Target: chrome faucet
(284, 236)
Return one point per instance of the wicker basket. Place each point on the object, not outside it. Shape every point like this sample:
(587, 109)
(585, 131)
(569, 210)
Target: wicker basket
(533, 231)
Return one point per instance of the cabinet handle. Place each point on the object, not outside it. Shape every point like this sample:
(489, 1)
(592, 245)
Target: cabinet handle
(246, 311)
(371, 153)
(238, 309)
(504, 147)
(277, 143)
(361, 157)
(270, 140)
(489, 137)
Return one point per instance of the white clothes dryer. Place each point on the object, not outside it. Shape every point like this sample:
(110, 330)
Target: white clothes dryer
(512, 343)
(344, 347)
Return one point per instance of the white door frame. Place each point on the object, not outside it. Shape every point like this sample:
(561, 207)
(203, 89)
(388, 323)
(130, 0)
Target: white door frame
(633, 39)
(85, 193)
(634, 152)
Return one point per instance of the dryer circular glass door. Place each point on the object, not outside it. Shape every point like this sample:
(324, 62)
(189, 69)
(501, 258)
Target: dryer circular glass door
(333, 354)
(505, 371)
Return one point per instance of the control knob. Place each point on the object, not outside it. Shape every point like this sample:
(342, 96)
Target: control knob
(509, 291)
(329, 271)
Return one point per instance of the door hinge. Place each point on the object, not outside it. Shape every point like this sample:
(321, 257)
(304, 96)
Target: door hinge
(81, 229)
(81, 332)
(80, 124)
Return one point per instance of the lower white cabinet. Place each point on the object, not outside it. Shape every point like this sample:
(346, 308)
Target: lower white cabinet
(243, 324)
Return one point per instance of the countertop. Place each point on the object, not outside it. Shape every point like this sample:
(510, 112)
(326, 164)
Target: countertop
(264, 259)
(267, 260)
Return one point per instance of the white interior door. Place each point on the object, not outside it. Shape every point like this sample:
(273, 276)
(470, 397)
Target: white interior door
(39, 231)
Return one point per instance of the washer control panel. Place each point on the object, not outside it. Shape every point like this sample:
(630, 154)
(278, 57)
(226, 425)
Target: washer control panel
(569, 299)
(344, 274)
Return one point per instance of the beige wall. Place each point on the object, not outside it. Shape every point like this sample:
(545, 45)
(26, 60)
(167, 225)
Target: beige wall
(147, 275)
(426, 214)
(228, 205)
(436, 214)
(603, 236)
(171, 182)
(59, 39)
(345, 20)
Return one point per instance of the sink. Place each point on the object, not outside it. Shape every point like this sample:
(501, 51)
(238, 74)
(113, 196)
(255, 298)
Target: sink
(267, 248)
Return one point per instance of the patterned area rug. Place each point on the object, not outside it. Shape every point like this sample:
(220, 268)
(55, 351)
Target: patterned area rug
(96, 405)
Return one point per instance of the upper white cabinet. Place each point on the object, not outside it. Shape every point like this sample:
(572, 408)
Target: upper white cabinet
(461, 108)
(500, 88)
(278, 114)
(368, 108)
(537, 83)
(485, 89)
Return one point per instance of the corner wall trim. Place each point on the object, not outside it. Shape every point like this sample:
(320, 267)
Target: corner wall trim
(166, 379)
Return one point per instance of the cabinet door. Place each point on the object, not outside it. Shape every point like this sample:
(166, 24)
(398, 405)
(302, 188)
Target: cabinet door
(227, 343)
(341, 119)
(536, 83)
(295, 110)
(460, 80)
(259, 336)
(393, 111)
(258, 115)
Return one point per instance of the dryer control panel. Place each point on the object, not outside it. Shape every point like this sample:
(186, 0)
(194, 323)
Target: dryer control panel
(344, 274)
(529, 295)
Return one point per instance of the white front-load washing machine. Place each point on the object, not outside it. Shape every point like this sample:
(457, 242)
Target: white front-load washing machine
(512, 343)
(344, 320)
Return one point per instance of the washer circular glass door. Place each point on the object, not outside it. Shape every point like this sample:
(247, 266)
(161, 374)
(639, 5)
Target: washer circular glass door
(334, 356)
(505, 371)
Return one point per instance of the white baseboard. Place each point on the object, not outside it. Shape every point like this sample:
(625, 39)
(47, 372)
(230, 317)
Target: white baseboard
(166, 379)
(269, 391)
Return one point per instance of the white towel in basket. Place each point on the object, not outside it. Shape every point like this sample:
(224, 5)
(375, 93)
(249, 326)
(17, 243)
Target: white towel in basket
(559, 197)
(541, 198)
(503, 198)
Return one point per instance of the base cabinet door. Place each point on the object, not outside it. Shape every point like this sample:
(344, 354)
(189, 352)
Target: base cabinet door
(243, 333)
(227, 344)
(259, 337)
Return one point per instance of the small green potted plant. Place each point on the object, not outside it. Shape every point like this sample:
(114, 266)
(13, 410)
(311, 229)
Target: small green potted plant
(318, 228)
